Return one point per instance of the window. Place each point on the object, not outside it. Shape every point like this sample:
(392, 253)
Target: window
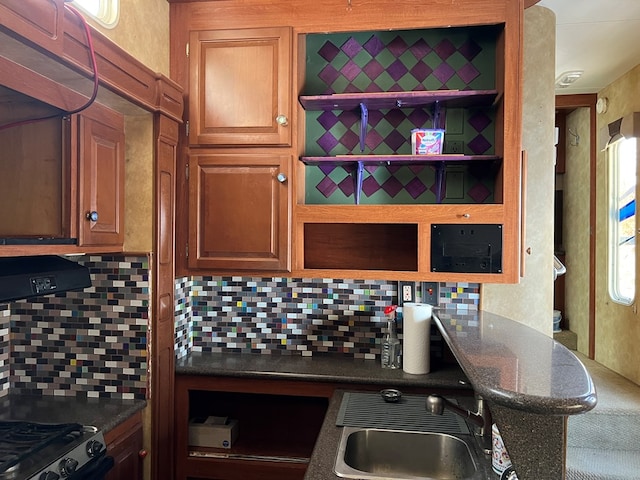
(105, 12)
(621, 155)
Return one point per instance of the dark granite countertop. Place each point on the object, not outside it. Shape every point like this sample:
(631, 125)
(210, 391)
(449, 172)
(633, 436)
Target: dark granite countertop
(334, 369)
(103, 413)
(515, 366)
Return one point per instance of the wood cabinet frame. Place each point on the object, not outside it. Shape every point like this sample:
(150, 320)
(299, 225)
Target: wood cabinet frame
(336, 16)
(58, 73)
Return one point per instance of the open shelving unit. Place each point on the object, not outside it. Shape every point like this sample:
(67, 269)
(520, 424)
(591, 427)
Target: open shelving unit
(388, 233)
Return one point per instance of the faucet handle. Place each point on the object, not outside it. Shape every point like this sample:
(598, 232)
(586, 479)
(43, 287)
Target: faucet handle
(435, 404)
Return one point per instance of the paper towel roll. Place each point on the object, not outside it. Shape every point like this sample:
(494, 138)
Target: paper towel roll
(416, 329)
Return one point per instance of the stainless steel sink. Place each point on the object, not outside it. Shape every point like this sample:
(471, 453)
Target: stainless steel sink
(368, 453)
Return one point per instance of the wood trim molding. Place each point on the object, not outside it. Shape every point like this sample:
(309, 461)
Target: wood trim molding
(574, 101)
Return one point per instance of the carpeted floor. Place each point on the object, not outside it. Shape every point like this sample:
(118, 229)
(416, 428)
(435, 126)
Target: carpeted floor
(604, 444)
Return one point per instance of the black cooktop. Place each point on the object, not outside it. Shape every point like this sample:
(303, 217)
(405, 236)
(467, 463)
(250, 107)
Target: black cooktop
(21, 441)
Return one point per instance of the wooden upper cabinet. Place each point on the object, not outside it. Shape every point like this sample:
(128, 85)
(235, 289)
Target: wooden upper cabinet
(101, 177)
(239, 211)
(240, 87)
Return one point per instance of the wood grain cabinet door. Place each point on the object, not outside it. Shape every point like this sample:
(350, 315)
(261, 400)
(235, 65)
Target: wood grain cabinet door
(239, 214)
(101, 177)
(240, 87)
(125, 445)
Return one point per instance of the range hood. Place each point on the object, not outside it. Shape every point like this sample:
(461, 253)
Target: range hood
(27, 277)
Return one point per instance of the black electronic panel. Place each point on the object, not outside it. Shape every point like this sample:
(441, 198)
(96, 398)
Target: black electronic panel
(466, 248)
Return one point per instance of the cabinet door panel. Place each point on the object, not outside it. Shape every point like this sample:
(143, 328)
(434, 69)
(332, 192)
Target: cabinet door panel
(101, 160)
(240, 84)
(239, 216)
(125, 445)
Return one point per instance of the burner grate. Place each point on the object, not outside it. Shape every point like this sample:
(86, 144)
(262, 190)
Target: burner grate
(18, 440)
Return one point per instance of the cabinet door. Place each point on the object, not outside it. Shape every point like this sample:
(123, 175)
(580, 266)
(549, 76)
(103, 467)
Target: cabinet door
(101, 177)
(239, 211)
(240, 87)
(125, 446)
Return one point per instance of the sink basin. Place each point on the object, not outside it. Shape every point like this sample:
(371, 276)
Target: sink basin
(368, 453)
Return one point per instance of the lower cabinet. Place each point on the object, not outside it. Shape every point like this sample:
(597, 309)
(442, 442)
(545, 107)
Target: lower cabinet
(124, 444)
(278, 423)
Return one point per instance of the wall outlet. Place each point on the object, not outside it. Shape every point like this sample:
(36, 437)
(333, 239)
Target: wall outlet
(430, 293)
(406, 293)
(454, 147)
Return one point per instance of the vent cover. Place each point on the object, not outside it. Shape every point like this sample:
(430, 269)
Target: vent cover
(369, 410)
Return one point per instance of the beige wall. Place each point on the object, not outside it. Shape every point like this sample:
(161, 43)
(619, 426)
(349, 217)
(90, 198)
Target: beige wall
(531, 301)
(575, 232)
(617, 333)
(143, 31)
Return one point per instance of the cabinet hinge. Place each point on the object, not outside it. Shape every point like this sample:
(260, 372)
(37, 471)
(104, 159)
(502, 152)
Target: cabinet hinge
(186, 171)
(186, 250)
(186, 127)
(187, 49)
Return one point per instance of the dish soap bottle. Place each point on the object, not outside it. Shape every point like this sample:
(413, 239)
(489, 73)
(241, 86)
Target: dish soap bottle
(391, 348)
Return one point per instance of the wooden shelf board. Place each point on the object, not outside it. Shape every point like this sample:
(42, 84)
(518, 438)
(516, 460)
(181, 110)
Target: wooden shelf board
(413, 99)
(397, 159)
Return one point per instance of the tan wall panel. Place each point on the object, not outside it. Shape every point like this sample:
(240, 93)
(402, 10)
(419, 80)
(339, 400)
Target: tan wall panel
(138, 187)
(617, 326)
(576, 227)
(531, 301)
(143, 31)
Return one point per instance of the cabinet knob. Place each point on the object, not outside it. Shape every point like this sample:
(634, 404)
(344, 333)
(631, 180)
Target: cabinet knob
(281, 177)
(466, 215)
(282, 120)
(142, 453)
(92, 216)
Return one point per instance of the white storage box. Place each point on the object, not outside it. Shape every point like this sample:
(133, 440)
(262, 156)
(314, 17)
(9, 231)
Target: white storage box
(217, 432)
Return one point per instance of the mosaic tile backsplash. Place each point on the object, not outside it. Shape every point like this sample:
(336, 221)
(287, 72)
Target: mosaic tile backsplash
(413, 60)
(91, 343)
(5, 350)
(295, 316)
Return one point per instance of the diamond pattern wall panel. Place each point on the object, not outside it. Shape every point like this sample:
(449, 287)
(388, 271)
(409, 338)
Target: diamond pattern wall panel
(413, 60)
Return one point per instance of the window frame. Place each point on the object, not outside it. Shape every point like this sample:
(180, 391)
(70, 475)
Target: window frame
(106, 15)
(619, 294)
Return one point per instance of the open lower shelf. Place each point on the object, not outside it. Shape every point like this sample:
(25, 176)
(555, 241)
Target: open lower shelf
(277, 428)
(360, 246)
(412, 99)
(199, 468)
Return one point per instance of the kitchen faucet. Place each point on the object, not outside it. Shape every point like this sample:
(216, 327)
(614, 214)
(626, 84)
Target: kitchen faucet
(481, 419)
